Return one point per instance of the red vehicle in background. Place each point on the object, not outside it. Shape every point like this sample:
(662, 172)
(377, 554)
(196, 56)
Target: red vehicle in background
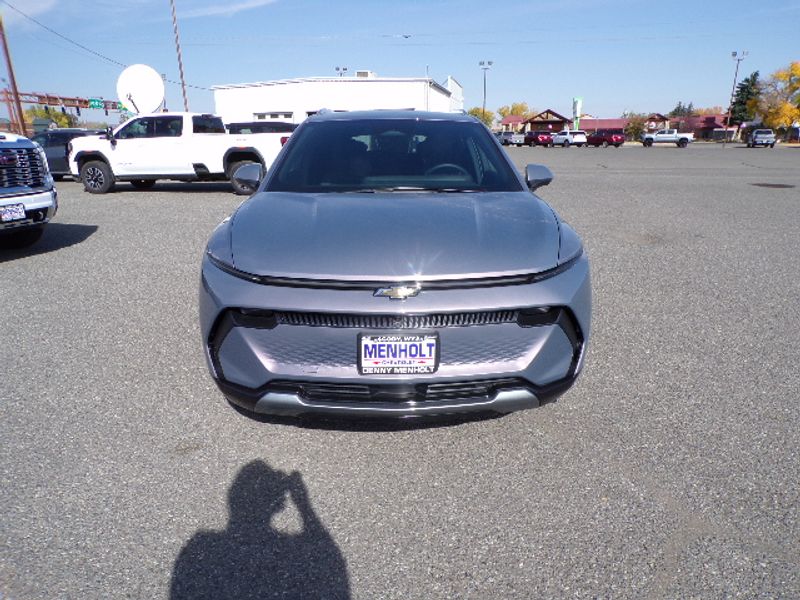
(605, 138)
(538, 138)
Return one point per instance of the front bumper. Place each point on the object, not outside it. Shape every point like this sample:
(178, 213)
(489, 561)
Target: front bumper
(40, 207)
(269, 357)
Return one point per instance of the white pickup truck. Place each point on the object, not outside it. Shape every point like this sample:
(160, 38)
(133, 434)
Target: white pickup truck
(176, 146)
(667, 136)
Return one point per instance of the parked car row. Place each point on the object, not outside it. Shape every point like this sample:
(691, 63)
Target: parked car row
(565, 138)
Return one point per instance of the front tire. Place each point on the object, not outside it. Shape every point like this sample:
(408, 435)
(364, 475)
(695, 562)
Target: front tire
(647, 143)
(683, 143)
(565, 144)
(143, 184)
(97, 177)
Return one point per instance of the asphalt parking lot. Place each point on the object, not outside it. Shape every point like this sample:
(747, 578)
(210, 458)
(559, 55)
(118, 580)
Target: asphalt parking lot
(670, 470)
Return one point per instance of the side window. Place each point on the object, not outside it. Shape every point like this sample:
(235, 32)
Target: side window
(134, 130)
(208, 124)
(167, 126)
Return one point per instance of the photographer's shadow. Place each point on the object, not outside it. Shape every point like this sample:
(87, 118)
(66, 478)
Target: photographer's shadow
(253, 559)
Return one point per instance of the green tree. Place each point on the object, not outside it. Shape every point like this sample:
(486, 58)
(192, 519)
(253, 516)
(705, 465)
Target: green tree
(487, 117)
(747, 90)
(682, 110)
(636, 124)
(54, 114)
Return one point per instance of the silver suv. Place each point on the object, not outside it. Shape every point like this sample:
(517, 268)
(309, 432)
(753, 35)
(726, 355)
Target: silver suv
(394, 264)
(568, 137)
(27, 196)
(761, 137)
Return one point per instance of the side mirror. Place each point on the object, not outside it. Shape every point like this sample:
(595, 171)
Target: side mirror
(248, 176)
(110, 136)
(537, 176)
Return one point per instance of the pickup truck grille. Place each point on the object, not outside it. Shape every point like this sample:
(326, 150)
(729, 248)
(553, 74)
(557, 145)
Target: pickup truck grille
(21, 167)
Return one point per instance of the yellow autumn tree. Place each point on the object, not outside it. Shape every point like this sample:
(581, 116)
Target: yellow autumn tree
(519, 109)
(487, 117)
(778, 104)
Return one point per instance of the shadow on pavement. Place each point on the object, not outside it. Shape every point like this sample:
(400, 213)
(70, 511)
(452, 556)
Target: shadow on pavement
(251, 558)
(56, 237)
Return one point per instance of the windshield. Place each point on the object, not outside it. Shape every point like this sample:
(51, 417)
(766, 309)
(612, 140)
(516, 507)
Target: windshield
(392, 155)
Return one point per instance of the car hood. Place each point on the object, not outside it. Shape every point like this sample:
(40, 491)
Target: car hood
(394, 236)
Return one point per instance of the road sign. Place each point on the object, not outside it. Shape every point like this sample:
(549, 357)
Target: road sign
(95, 103)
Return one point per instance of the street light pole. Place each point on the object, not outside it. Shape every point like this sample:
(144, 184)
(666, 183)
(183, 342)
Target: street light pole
(485, 65)
(180, 58)
(20, 117)
(738, 57)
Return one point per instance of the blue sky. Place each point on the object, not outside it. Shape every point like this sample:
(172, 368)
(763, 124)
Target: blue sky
(617, 54)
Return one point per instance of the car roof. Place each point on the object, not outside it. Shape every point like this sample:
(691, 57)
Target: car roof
(72, 130)
(359, 115)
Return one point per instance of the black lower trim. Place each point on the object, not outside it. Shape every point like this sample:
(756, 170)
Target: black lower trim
(398, 394)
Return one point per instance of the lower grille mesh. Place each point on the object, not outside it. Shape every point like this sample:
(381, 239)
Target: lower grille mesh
(427, 321)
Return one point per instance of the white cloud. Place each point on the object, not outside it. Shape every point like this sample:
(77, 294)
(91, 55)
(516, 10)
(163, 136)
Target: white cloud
(32, 8)
(223, 9)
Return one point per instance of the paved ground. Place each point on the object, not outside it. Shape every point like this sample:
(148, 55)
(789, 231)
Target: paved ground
(670, 471)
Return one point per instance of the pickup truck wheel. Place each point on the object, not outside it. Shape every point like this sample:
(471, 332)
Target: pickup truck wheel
(647, 143)
(682, 143)
(239, 190)
(772, 145)
(97, 177)
(565, 144)
(143, 184)
(22, 238)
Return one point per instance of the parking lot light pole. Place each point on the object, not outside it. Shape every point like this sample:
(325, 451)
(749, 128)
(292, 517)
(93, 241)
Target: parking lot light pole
(485, 65)
(738, 57)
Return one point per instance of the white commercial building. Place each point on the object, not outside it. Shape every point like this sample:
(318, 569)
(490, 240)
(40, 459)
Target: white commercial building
(292, 100)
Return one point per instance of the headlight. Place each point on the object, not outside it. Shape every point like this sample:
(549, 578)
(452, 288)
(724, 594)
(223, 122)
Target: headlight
(48, 178)
(219, 245)
(570, 245)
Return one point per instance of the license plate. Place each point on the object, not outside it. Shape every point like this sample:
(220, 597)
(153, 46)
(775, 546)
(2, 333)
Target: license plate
(12, 212)
(398, 354)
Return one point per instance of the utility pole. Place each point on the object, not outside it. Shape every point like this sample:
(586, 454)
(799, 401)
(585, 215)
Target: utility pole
(738, 57)
(485, 65)
(20, 118)
(180, 59)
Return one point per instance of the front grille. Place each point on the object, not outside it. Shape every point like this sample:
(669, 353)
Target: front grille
(476, 391)
(21, 167)
(397, 321)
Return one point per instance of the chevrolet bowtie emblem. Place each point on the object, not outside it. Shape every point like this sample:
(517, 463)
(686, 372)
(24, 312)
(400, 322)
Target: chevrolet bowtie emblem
(398, 292)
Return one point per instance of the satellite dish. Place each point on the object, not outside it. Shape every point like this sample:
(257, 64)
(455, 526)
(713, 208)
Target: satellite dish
(140, 89)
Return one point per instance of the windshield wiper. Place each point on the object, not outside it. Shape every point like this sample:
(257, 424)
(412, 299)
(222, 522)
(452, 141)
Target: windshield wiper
(394, 188)
(412, 188)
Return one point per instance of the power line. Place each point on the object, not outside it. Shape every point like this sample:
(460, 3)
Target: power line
(81, 46)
